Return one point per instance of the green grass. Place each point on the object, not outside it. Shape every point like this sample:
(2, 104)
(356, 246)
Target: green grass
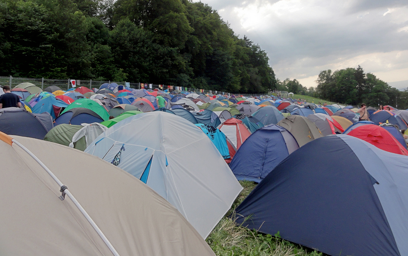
(311, 99)
(229, 239)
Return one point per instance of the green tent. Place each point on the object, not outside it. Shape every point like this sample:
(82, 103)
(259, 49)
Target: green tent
(113, 121)
(286, 114)
(31, 88)
(63, 133)
(233, 111)
(89, 104)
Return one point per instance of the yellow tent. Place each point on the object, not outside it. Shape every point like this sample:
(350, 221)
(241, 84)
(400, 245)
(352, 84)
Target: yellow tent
(58, 92)
(344, 122)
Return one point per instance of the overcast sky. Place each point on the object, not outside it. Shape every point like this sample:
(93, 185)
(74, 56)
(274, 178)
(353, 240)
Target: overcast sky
(304, 37)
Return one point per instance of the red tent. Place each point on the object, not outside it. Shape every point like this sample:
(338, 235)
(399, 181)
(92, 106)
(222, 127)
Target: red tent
(82, 90)
(235, 131)
(379, 137)
(239, 102)
(283, 105)
(65, 99)
(328, 111)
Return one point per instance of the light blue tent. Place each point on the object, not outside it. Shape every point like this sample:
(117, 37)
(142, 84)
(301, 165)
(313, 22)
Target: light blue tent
(177, 160)
(218, 138)
(302, 112)
(49, 105)
(268, 115)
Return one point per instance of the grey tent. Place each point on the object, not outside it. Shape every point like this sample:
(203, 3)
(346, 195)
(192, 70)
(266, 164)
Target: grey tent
(52, 88)
(56, 200)
(247, 108)
(301, 128)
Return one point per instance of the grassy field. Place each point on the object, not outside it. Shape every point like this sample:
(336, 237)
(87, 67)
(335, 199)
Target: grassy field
(311, 99)
(229, 239)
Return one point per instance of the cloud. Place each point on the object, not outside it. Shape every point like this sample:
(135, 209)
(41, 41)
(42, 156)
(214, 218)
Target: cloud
(304, 37)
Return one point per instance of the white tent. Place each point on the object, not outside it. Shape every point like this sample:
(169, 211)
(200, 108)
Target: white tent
(177, 160)
(56, 200)
(90, 132)
(185, 101)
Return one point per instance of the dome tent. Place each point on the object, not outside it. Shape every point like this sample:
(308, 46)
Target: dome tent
(177, 160)
(268, 115)
(235, 131)
(353, 197)
(262, 152)
(17, 121)
(379, 137)
(101, 211)
(301, 128)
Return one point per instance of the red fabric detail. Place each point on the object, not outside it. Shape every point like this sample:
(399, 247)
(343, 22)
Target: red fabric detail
(283, 105)
(124, 90)
(242, 133)
(379, 137)
(57, 110)
(65, 99)
(331, 126)
(82, 90)
(337, 125)
(328, 111)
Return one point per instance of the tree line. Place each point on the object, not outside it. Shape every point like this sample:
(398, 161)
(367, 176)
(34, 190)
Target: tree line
(174, 42)
(351, 86)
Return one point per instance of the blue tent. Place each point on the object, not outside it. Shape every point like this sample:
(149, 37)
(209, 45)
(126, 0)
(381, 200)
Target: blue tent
(289, 108)
(337, 194)
(302, 112)
(207, 117)
(268, 115)
(383, 117)
(50, 105)
(78, 116)
(177, 97)
(332, 108)
(184, 114)
(320, 110)
(74, 95)
(218, 138)
(17, 121)
(347, 113)
(123, 100)
(252, 123)
(262, 152)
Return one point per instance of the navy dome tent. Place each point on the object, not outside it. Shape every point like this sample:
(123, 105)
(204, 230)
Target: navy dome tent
(262, 152)
(382, 117)
(78, 116)
(337, 194)
(17, 121)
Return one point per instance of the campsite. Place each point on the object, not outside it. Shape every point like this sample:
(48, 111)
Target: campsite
(121, 171)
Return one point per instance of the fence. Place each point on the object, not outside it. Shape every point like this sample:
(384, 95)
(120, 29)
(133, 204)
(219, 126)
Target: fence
(65, 84)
